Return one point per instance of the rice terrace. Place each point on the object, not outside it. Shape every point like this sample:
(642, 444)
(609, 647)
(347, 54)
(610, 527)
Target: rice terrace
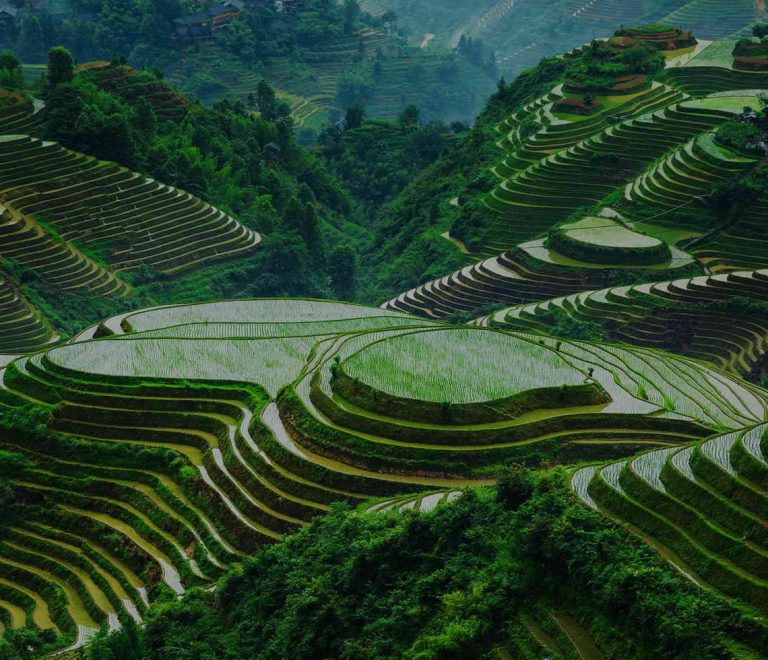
(291, 367)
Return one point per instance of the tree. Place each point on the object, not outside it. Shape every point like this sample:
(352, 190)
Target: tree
(9, 61)
(12, 466)
(61, 65)
(514, 486)
(29, 44)
(266, 101)
(11, 74)
(760, 30)
(146, 120)
(408, 117)
(351, 13)
(354, 116)
(343, 270)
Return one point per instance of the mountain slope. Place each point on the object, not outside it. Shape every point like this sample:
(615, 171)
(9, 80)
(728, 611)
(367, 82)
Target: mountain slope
(100, 215)
(335, 463)
(650, 158)
(168, 443)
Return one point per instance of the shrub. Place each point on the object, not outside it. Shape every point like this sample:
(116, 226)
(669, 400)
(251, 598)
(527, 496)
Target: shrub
(739, 136)
(514, 486)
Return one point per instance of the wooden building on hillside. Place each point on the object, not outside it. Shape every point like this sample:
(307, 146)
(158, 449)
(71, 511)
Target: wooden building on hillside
(202, 25)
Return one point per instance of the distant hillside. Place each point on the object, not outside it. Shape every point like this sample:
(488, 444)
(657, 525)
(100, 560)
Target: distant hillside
(521, 32)
(320, 56)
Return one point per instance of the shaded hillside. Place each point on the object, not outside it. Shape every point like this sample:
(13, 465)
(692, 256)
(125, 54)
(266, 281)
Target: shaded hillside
(86, 235)
(321, 56)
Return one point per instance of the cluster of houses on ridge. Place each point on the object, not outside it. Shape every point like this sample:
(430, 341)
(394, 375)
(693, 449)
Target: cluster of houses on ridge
(203, 24)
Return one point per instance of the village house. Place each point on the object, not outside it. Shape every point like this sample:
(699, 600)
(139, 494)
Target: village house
(201, 26)
(8, 15)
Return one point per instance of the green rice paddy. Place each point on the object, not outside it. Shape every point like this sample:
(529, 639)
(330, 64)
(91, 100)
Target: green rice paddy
(433, 366)
(608, 233)
(716, 54)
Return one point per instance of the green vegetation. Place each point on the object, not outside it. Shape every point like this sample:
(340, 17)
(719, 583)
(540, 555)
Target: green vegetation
(322, 55)
(249, 167)
(388, 366)
(188, 468)
(602, 240)
(460, 581)
(377, 159)
(739, 136)
(184, 437)
(719, 319)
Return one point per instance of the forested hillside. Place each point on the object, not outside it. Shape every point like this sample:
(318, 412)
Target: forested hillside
(321, 56)
(208, 182)
(548, 440)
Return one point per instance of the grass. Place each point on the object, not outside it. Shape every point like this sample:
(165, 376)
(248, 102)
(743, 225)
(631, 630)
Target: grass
(608, 233)
(460, 366)
(250, 311)
(716, 54)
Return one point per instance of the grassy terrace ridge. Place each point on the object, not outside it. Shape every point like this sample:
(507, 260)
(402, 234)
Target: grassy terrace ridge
(252, 311)
(608, 233)
(130, 84)
(700, 503)
(135, 220)
(193, 435)
(22, 328)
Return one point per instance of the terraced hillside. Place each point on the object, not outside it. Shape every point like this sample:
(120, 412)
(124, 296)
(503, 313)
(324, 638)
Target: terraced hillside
(77, 223)
(130, 85)
(702, 505)
(19, 113)
(631, 224)
(136, 220)
(532, 30)
(186, 436)
(642, 157)
(615, 294)
(707, 17)
(710, 317)
(23, 328)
